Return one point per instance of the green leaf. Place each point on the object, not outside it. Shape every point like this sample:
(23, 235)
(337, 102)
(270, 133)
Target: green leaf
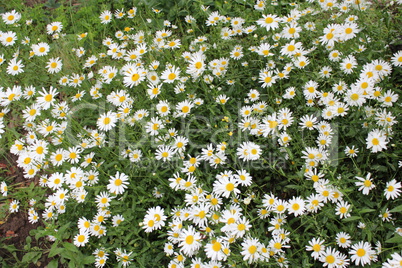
(10, 248)
(55, 251)
(353, 218)
(53, 264)
(72, 264)
(396, 239)
(366, 210)
(88, 260)
(31, 257)
(63, 229)
(396, 209)
(70, 247)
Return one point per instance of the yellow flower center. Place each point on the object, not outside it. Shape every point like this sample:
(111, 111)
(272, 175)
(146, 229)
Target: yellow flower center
(48, 97)
(230, 187)
(330, 259)
(135, 77)
(269, 20)
(81, 238)
(216, 246)
(189, 239)
(171, 76)
(252, 249)
(354, 96)
(360, 252)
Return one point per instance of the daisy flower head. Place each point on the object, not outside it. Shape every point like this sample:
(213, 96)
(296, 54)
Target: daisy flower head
(376, 141)
(260, 5)
(33, 217)
(362, 253)
(217, 249)
(47, 97)
(348, 64)
(81, 238)
(284, 139)
(107, 121)
(243, 177)
(343, 209)
(105, 17)
(381, 67)
(15, 67)
(3, 188)
(54, 65)
(154, 126)
(119, 13)
(41, 49)
(239, 228)
(123, 257)
(308, 121)
(310, 90)
(365, 184)
(296, 206)
(343, 239)
(249, 151)
(170, 74)
(388, 98)
(331, 35)
(55, 180)
(54, 27)
(184, 108)
(103, 199)
(280, 206)
(395, 260)
(196, 65)
(14, 206)
(267, 78)
(290, 93)
(351, 151)
(392, 189)
(189, 241)
(237, 53)
(8, 38)
(2, 59)
(154, 219)
(251, 250)
(314, 203)
(348, 30)
(292, 48)
(118, 183)
(355, 97)
(269, 21)
(335, 55)
(164, 153)
(221, 99)
(11, 17)
(330, 257)
(253, 95)
(396, 59)
(386, 216)
(225, 186)
(325, 71)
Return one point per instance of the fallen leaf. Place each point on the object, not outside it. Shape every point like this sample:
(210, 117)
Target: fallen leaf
(10, 233)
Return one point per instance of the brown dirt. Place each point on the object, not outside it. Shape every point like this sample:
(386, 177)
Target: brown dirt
(15, 227)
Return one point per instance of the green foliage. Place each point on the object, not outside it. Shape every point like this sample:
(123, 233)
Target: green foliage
(281, 170)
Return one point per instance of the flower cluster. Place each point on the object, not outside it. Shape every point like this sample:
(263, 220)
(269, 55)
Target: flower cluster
(215, 114)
